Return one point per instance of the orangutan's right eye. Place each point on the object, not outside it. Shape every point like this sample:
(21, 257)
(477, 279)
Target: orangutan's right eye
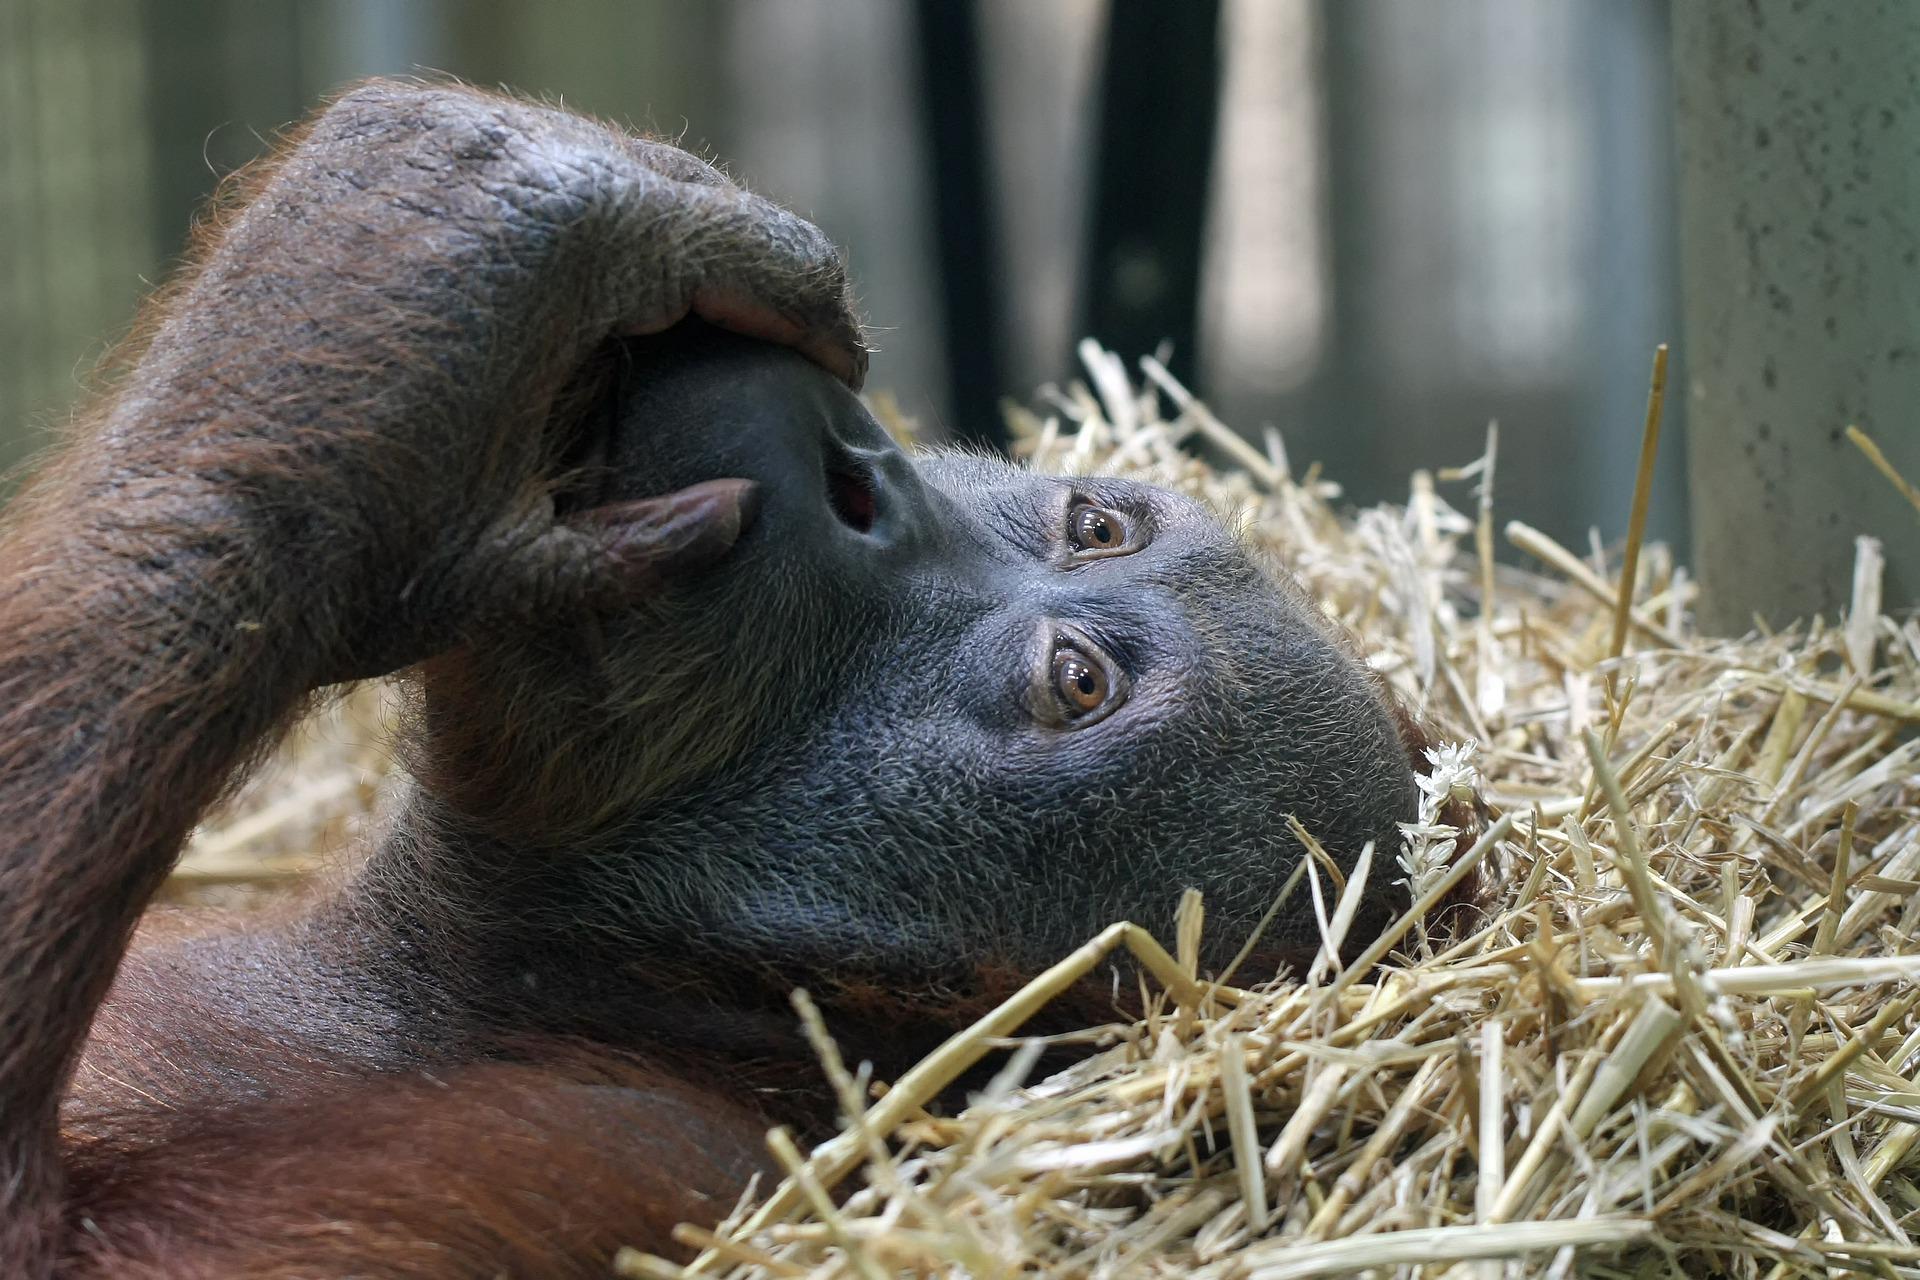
(1096, 531)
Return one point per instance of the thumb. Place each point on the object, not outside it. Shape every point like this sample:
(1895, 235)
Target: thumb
(645, 544)
(610, 557)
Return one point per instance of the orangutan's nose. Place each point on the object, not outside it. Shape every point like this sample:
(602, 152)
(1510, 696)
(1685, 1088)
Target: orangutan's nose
(873, 488)
(850, 494)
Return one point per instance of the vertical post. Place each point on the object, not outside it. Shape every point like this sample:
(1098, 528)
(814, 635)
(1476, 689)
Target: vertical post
(1798, 130)
(954, 122)
(1159, 100)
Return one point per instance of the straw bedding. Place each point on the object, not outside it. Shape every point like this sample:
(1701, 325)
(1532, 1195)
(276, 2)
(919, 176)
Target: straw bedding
(1677, 1036)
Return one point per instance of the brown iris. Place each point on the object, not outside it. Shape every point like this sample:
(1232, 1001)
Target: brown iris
(1081, 684)
(1075, 682)
(1097, 529)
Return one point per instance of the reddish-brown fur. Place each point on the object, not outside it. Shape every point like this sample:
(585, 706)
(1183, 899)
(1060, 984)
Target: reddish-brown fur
(403, 289)
(483, 1169)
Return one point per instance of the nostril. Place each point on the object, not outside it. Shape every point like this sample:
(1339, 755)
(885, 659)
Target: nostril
(850, 494)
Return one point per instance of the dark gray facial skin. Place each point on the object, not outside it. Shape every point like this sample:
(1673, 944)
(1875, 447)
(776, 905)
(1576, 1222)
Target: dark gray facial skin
(842, 757)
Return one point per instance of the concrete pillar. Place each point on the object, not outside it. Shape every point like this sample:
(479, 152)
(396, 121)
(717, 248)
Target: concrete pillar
(1799, 153)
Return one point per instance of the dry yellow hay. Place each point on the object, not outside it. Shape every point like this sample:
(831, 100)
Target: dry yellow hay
(1680, 1040)
(311, 799)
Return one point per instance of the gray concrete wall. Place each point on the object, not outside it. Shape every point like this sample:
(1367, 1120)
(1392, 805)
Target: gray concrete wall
(1799, 154)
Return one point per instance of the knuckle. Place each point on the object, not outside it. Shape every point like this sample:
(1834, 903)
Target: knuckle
(776, 235)
(518, 184)
(550, 181)
(539, 166)
(378, 107)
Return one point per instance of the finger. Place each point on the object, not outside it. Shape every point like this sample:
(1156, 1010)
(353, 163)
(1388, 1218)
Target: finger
(609, 558)
(840, 349)
(529, 572)
(763, 271)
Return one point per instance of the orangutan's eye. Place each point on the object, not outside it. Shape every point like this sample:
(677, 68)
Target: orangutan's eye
(1080, 684)
(1097, 530)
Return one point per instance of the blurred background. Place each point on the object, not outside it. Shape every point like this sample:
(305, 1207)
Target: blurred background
(1372, 224)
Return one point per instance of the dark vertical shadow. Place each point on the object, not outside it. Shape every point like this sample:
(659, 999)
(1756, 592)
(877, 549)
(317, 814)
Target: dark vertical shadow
(953, 116)
(1159, 103)
(1345, 391)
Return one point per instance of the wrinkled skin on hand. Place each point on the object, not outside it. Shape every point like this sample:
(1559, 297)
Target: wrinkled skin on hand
(416, 281)
(714, 692)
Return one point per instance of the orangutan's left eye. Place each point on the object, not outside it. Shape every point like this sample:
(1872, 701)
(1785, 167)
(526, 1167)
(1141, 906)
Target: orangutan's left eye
(1078, 685)
(1096, 531)
(1082, 685)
